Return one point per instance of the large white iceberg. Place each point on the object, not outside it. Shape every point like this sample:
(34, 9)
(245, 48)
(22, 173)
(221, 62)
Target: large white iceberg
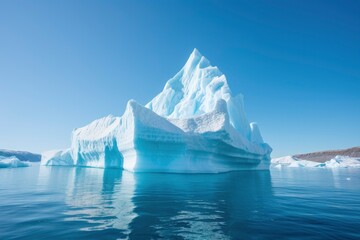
(193, 125)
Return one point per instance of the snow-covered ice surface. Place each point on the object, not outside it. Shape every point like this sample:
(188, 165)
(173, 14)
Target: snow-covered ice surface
(194, 125)
(12, 162)
(336, 162)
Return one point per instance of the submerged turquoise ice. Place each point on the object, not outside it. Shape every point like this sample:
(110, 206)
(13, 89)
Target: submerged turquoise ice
(194, 125)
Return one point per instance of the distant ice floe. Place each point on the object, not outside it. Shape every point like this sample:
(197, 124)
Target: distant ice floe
(336, 162)
(12, 162)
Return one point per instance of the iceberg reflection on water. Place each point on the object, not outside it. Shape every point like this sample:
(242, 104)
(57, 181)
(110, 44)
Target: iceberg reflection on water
(91, 203)
(160, 205)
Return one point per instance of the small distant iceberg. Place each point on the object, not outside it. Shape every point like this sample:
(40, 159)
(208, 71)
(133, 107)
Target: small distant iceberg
(12, 162)
(194, 125)
(57, 158)
(336, 162)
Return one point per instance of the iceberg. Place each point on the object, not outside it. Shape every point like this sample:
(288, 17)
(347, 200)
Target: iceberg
(343, 162)
(12, 162)
(193, 125)
(336, 162)
(57, 158)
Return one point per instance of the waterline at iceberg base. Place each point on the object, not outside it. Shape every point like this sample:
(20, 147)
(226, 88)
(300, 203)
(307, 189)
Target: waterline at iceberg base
(194, 125)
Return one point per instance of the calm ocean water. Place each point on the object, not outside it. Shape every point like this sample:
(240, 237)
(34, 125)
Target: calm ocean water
(85, 203)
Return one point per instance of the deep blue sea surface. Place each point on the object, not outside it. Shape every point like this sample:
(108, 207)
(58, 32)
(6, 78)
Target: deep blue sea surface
(86, 203)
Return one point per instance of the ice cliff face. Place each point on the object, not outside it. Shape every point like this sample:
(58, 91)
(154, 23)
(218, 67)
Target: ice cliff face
(95, 145)
(193, 125)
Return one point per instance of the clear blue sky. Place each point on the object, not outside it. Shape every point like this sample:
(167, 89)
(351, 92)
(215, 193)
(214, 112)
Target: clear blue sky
(66, 63)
